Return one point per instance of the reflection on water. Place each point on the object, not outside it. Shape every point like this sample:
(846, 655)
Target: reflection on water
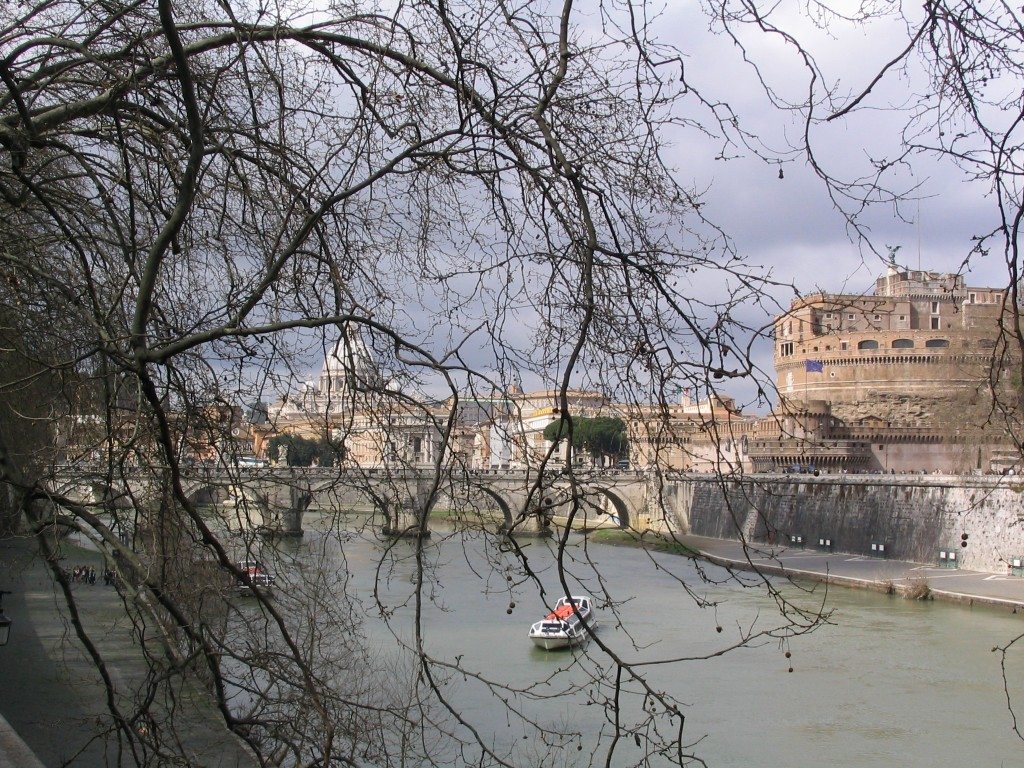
(884, 682)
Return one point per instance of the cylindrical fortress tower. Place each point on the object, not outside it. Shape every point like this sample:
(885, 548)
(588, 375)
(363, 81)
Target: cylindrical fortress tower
(920, 336)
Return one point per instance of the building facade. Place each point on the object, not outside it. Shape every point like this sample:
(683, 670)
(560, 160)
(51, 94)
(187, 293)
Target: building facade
(897, 380)
(709, 435)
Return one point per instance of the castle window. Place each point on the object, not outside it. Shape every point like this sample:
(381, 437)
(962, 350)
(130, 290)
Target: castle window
(877, 318)
(903, 344)
(786, 349)
(935, 323)
(972, 298)
(987, 343)
(997, 297)
(849, 317)
(935, 307)
(868, 344)
(937, 343)
(843, 345)
(903, 318)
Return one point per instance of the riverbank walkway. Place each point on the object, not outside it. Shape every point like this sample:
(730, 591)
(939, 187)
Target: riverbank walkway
(863, 572)
(53, 702)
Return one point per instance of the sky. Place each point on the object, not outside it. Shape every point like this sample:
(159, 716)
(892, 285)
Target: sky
(788, 225)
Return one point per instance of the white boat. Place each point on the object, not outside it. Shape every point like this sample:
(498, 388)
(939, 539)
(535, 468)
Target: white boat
(563, 627)
(253, 575)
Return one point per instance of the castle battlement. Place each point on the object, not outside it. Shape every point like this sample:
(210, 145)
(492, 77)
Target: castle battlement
(922, 334)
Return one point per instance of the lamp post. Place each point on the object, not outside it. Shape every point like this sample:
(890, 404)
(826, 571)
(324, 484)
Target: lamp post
(5, 622)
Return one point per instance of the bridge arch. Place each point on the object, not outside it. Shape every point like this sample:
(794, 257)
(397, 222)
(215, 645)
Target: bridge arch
(503, 505)
(207, 492)
(400, 511)
(252, 509)
(600, 504)
(396, 517)
(360, 490)
(94, 489)
(622, 515)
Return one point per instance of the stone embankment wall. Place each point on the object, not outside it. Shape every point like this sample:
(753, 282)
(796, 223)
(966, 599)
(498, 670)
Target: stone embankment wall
(914, 517)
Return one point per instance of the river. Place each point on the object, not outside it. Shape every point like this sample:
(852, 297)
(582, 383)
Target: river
(884, 682)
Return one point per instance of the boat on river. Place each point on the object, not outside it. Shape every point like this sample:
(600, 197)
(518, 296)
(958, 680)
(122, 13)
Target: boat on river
(563, 627)
(253, 575)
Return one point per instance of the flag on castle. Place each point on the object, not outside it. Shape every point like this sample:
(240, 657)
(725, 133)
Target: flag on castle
(813, 366)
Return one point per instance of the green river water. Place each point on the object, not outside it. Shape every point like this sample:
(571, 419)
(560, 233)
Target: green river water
(885, 682)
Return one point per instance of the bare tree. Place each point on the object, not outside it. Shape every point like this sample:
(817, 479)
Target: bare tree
(202, 198)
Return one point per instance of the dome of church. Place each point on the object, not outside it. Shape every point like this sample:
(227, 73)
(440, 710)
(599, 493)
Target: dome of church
(348, 367)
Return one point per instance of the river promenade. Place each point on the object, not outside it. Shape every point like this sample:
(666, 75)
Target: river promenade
(53, 698)
(864, 572)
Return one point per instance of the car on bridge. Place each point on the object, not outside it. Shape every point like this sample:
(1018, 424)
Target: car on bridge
(251, 462)
(801, 469)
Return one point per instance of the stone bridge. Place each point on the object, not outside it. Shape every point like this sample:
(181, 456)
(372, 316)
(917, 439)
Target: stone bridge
(914, 517)
(274, 500)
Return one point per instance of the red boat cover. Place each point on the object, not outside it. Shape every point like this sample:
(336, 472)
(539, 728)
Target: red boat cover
(561, 612)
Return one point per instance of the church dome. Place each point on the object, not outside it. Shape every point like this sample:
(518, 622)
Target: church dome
(348, 367)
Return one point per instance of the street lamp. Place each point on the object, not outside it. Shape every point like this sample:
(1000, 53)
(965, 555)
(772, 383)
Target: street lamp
(5, 622)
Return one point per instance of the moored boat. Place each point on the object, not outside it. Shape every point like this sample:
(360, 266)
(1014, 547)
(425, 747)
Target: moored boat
(564, 626)
(253, 575)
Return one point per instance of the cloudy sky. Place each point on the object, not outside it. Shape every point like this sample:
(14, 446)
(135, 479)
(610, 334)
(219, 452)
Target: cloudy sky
(789, 225)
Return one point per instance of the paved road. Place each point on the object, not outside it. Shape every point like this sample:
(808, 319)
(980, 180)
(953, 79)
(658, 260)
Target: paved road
(866, 572)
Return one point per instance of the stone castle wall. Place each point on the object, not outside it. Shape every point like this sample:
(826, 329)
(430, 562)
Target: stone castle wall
(899, 409)
(914, 517)
(885, 383)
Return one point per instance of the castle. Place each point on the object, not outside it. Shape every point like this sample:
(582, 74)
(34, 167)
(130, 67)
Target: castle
(921, 336)
(896, 381)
